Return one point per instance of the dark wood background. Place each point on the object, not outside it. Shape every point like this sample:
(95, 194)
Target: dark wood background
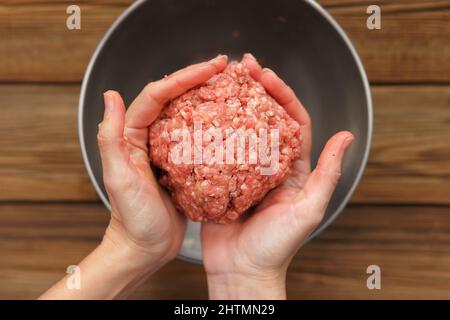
(399, 217)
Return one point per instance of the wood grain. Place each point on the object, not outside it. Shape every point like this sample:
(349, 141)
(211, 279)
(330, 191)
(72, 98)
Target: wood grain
(412, 45)
(41, 157)
(410, 156)
(410, 244)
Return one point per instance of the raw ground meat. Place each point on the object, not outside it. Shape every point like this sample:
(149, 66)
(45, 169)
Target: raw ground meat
(222, 192)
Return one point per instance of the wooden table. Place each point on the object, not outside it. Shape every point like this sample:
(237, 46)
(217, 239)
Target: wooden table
(399, 217)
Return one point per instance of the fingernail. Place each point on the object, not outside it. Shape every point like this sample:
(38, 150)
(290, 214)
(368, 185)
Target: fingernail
(216, 60)
(268, 70)
(109, 104)
(347, 142)
(219, 57)
(249, 55)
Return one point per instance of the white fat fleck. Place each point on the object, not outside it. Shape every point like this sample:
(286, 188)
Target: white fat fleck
(204, 183)
(184, 114)
(165, 134)
(252, 103)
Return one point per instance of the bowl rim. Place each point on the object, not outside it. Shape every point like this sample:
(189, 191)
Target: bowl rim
(368, 94)
(327, 17)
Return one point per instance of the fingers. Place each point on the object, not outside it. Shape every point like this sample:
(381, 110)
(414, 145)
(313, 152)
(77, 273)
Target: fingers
(148, 104)
(253, 65)
(110, 134)
(323, 180)
(286, 97)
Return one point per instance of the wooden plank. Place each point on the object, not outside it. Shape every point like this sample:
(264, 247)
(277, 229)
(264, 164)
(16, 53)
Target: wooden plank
(402, 51)
(409, 162)
(410, 244)
(324, 3)
(37, 46)
(410, 156)
(412, 45)
(40, 155)
(385, 5)
(407, 243)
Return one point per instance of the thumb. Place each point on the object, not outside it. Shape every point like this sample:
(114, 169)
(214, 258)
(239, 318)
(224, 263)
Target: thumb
(323, 180)
(110, 135)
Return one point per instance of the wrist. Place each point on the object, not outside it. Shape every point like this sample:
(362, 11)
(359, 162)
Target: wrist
(234, 286)
(136, 261)
(110, 271)
(144, 253)
(116, 270)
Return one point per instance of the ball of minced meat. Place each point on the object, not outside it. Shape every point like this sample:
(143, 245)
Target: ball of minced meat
(208, 190)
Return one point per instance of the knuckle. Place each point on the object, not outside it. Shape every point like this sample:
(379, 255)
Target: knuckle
(335, 176)
(310, 219)
(111, 186)
(315, 219)
(102, 139)
(112, 182)
(150, 92)
(329, 174)
(179, 84)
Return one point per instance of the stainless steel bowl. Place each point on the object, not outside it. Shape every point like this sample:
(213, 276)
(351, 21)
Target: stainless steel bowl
(298, 39)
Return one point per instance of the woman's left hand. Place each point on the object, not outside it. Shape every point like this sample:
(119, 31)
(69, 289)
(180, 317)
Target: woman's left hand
(248, 259)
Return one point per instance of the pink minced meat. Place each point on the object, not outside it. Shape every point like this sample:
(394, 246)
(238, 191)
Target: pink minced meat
(222, 192)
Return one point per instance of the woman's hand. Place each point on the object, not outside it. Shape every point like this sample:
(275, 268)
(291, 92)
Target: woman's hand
(145, 230)
(143, 217)
(249, 259)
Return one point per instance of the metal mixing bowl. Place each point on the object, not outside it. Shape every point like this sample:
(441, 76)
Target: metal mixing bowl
(297, 39)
